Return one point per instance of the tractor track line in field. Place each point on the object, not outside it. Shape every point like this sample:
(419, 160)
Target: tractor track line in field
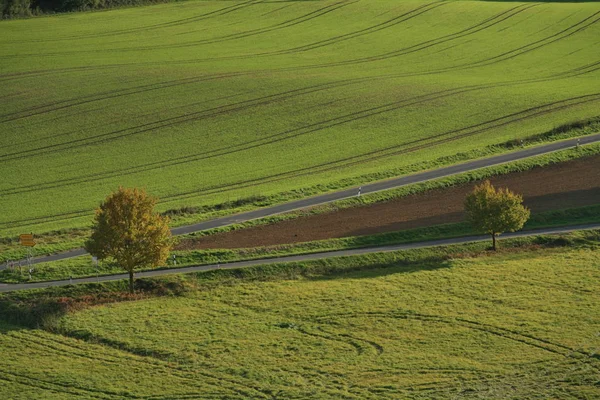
(269, 139)
(292, 22)
(378, 349)
(332, 338)
(277, 9)
(302, 130)
(206, 113)
(585, 23)
(487, 23)
(70, 388)
(383, 25)
(49, 218)
(409, 50)
(375, 155)
(536, 45)
(365, 31)
(184, 21)
(202, 16)
(84, 68)
(526, 48)
(184, 118)
(138, 359)
(96, 126)
(234, 36)
(488, 61)
(281, 25)
(240, 106)
(77, 101)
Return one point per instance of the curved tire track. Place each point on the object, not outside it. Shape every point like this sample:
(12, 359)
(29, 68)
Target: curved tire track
(509, 334)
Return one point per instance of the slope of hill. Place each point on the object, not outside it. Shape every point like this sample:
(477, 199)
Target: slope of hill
(425, 324)
(205, 101)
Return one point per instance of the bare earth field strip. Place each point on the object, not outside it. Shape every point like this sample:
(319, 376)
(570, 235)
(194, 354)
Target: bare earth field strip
(567, 185)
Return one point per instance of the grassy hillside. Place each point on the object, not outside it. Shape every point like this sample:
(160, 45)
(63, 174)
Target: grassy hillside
(207, 101)
(518, 324)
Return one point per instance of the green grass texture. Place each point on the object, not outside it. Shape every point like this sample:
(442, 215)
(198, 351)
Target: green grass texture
(203, 102)
(517, 324)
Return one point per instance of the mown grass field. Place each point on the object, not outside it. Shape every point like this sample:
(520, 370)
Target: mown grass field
(202, 102)
(522, 323)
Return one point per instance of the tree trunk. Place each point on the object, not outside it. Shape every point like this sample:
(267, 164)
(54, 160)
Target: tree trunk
(494, 241)
(131, 281)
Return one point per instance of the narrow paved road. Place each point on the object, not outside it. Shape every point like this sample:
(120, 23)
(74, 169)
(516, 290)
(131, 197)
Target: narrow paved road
(367, 188)
(305, 257)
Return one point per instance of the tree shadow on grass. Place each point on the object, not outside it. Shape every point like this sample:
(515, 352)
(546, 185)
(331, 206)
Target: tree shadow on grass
(413, 228)
(41, 313)
(44, 308)
(6, 327)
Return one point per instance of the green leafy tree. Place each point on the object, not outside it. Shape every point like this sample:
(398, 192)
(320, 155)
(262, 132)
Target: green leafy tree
(127, 229)
(495, 211)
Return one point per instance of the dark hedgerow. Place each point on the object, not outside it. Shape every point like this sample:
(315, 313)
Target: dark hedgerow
(25, 8)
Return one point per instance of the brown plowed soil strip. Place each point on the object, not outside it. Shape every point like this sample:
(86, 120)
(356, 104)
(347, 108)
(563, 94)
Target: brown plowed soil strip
(566, 185)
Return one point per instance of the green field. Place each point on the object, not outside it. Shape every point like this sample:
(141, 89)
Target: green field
(201, 102)
(520, 324)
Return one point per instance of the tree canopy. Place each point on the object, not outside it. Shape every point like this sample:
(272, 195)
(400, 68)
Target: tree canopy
(127, 229)
(495, 211)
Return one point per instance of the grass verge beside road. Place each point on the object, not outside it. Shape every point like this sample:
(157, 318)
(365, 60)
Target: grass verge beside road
(79, 267)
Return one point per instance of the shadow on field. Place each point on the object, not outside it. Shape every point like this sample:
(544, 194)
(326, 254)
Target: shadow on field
(566, 200)
(16, 314)
(6, 327)
(393, 227)
(43, 308)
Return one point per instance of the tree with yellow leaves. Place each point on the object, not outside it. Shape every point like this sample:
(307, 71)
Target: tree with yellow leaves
(127, 229)
(494, 211)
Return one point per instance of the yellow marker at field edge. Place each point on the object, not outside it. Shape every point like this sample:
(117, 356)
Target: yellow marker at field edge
(27, 239)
